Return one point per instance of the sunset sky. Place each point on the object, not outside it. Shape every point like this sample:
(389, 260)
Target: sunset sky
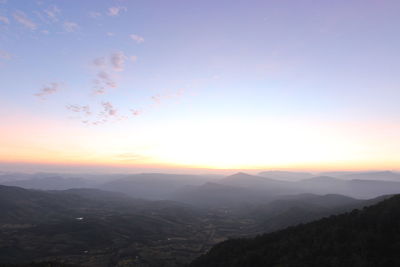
(201, 84)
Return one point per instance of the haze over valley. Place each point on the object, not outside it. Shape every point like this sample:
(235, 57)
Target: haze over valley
(199, 133)
(155, 219)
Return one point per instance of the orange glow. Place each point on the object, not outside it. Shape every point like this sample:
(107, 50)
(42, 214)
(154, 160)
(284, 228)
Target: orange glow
(224, 145)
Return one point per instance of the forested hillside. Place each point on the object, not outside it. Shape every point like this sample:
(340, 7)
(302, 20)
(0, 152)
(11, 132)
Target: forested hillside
(367, 237)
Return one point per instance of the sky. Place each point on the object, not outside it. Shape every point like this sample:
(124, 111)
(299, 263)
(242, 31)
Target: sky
(200, 85)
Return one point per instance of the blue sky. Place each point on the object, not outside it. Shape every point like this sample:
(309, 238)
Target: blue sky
(143, 70)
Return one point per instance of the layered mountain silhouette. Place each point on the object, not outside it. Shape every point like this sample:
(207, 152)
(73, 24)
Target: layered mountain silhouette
(286, 175)
(153, 185)
(93, 227)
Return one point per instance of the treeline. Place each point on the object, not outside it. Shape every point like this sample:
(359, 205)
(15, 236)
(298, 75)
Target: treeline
(367, 237)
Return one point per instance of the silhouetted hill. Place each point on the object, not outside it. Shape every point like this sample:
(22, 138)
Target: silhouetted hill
(259, 183)
(292, 210)
(355, 188)
(369, 237)
(219, 195)
(382, 175)
(50, 183)
(41, 264)
(286, 175)
(153, 185)
(19, 205)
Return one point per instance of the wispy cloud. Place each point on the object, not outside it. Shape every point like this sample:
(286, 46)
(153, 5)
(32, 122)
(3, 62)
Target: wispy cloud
(116, 10)
(103, 82)
(108, 109)
(104, 112)
(117, 60)
(136, 112)
(5, 55)
(99, 62)
(159, 98)
(4, 20)
(107, 69)
(131, 157)
(85, 110)
(94, 14)
(133, 58)
(70, 26)
(21, 18)
(137, 38)
(52, 12)
(48, 90)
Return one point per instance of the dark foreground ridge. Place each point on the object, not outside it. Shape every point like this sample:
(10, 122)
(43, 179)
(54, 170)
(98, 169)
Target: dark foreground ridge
(367, 237)
(40, 264)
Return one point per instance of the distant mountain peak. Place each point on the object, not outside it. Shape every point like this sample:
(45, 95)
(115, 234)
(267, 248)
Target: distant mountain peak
(244, 176)
(241, 173)
(322, 179)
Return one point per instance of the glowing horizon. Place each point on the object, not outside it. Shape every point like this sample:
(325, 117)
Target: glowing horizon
(200, 85)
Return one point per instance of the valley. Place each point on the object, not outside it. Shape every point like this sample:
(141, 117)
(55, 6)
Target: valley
(173, 226)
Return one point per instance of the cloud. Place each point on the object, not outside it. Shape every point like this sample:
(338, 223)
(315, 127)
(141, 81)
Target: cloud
(105, 112)
(4, 19)
(158, 98)
(137, 38)
(52, 12)
(136, 112)
(106, 78)
(114, 11)
(48, 90)
(107, 69)
(99, 62)
(80, 109)
(108, 109)
(70, 26)
(21, 18)
(131, 157)
(133, 58)
(5, 55)
(103, 82)
(117, 60)
(94, 14)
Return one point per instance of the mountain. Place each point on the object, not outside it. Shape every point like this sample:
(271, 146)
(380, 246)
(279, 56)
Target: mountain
(256, 188)
(372, 188)
(271, 186)
(153, 185)
(21, 206)
(367, 237)
(292, 210)
(383, 175)
(96, 228)
(369, 175)
(92, 227)
(335, 174)
(50, 183)
(355, 188)
(8, 176)
(286, 175)
(215, 195)
(323, 185)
